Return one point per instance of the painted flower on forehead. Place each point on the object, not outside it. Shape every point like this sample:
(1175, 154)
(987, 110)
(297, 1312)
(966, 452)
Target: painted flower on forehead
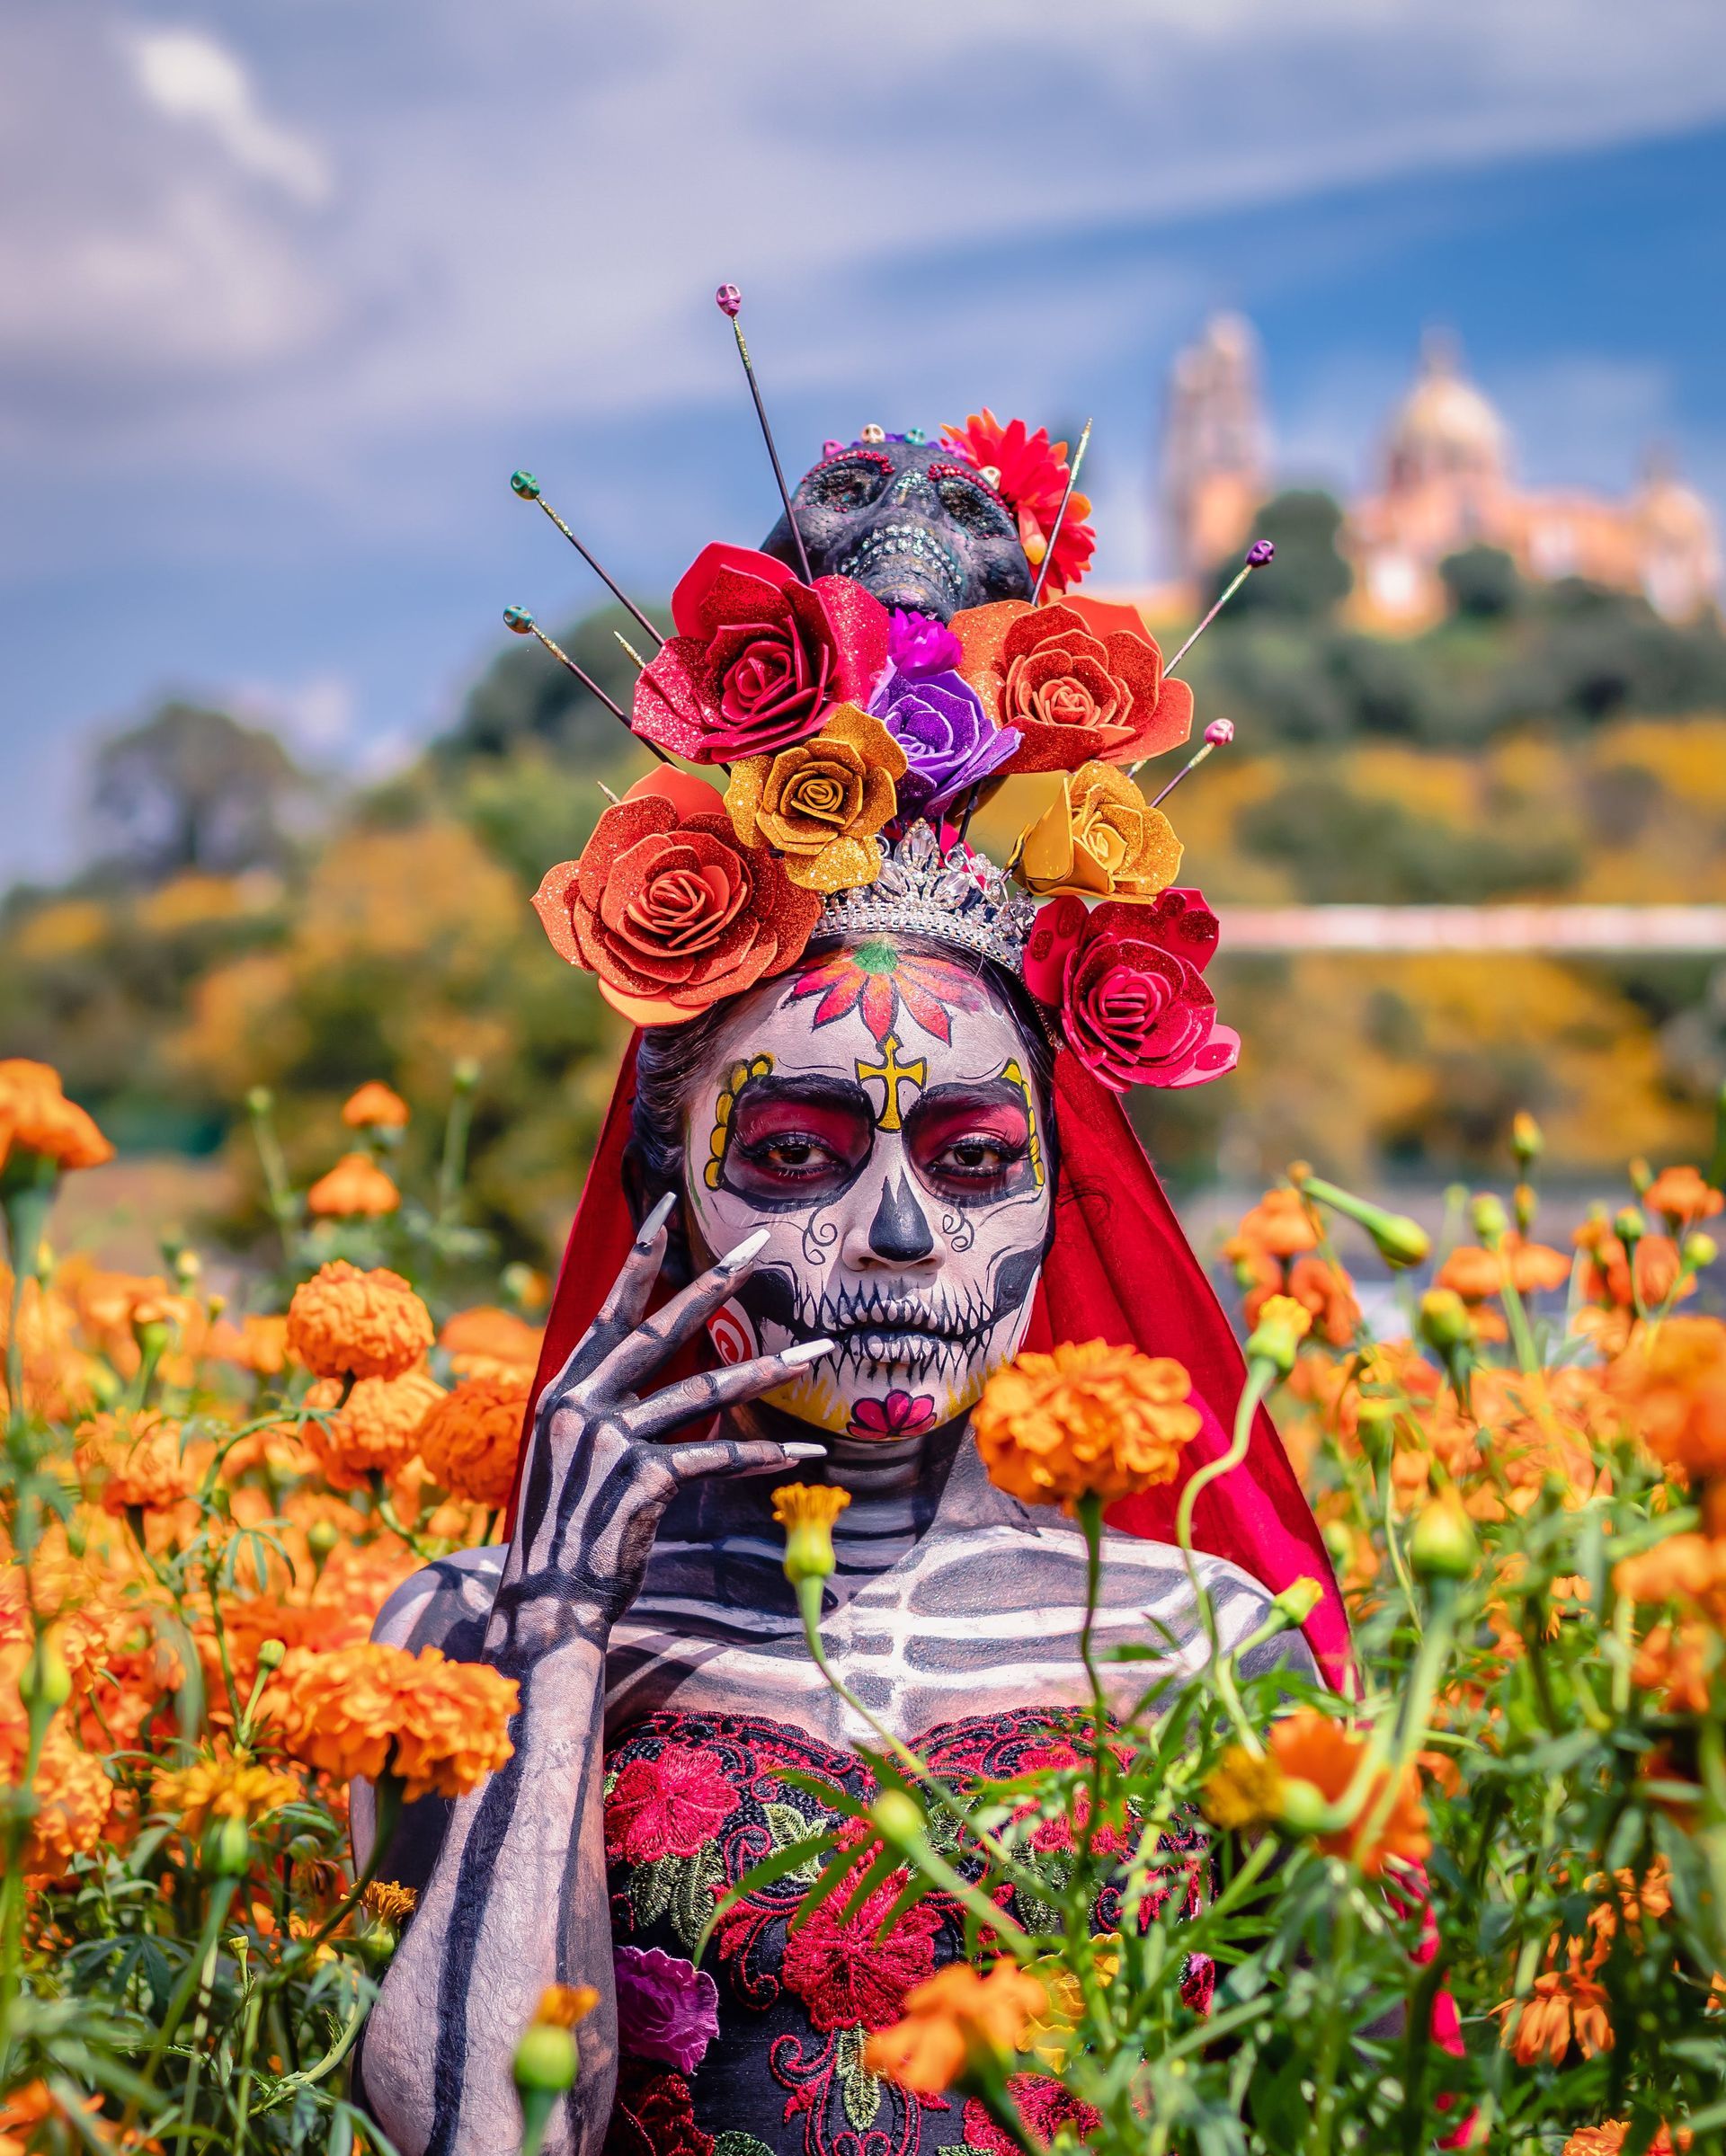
(1079, 681)
(1128, 981)
(820, 802)
(669, 906)
(758, 658)
(878, 980)
(950, 742)
(1100, 838)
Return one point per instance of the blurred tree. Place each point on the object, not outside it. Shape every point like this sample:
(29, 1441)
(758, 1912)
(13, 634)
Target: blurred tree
(525, 696)
(1482, 583)
(191, 788)
(1309, 578)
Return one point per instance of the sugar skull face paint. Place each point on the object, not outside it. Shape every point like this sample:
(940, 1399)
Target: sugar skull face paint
(874, 1111)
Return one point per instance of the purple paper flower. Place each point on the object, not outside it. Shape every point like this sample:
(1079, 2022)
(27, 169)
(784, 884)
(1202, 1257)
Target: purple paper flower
(949, 741)
(917, 645)
(667, 2009)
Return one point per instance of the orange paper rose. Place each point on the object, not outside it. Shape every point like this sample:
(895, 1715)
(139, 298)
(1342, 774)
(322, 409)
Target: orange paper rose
(669, 907)
(1100, 838)
(821, 801)
(1081, 680)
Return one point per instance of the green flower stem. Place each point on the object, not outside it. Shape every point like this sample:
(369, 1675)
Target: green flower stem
(31, 1182)
(453, 1167)
(1261, 1374)
(809, 1604)
(537, 2107)
(276, 1184)
(220, 1895)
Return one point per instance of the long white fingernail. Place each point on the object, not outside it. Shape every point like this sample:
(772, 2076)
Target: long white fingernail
(808, 1351)
(656, 1220)
(796, 1451)
(746, 1249)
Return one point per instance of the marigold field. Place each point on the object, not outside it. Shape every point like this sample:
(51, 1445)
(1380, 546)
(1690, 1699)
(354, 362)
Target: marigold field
(1481, 1901)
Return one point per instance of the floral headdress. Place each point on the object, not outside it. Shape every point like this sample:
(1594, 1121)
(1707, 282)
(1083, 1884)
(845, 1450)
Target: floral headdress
(857, 744)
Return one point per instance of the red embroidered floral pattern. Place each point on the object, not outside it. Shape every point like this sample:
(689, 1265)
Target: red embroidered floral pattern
(1044, 2105)
(696, 1800)
(668, 1805)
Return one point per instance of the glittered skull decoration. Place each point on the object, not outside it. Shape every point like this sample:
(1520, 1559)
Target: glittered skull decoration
(880, 1112)
(913, 522)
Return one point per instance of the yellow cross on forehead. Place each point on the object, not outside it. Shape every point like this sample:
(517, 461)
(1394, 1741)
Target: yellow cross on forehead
(892, 1074)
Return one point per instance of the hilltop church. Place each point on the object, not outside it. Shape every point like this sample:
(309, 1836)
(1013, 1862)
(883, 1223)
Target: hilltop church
(1443, 482)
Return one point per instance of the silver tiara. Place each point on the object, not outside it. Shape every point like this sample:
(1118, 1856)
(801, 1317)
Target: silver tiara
(959, 897)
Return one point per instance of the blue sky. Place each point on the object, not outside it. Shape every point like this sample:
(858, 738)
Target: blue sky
(287, 289)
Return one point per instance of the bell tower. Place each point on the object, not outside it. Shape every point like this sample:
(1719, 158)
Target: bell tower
(1214, 445)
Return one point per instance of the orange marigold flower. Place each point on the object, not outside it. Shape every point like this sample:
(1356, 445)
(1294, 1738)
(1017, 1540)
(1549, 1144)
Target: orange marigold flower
(1323, 1289)
(388, 1902)
(368, 1710)
(128, 1461)
(1609, 2136)
(1683, 1196)
(1633, 1902)
(1565, 2008)
(36, 1117)
(1086, 1419)
(470, 1439)
(370, 1325)
(954, 2017)
(1530, 1268)
(1686, 1569)
(563, 2005)
(376, 1430)
(485, 1341)
(1245, 1790)
(222, 1784)
(1678, 1663)
(74, 1799)
(1605, 1278)
(375, 1106)
(258, 1343)
(1308, 1746)
(25, 2109)
(1281, 1224)
(355, 1184)
(1672, 1378)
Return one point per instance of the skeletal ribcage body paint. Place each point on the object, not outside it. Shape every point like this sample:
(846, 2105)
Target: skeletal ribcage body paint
(877, 1119)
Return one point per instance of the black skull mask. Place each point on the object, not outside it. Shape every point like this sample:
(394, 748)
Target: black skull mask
(913, 522)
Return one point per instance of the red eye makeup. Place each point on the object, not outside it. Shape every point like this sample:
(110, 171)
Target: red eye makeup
(796, 1143)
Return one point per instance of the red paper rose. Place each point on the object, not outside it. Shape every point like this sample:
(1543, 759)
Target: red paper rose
(1080, 680)
(669, 906)
(1126, 980)
(758, 658)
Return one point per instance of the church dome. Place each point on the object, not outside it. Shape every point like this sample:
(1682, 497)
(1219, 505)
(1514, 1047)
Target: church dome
(1444, 427)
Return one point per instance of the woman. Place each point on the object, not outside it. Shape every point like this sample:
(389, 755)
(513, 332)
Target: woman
(879, 1181)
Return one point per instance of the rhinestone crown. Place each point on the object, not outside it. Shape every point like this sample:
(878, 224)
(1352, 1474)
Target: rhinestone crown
(959, 897)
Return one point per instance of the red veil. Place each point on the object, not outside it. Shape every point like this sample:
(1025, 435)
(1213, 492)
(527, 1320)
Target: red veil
(1120, 1270)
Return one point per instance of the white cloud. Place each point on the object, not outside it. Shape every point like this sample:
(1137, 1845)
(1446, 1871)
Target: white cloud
(189, 76)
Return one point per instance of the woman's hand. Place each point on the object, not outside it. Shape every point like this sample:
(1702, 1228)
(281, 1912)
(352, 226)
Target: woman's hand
(597, 1479)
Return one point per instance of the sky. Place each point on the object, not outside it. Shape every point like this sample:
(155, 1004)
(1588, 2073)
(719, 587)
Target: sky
(287, 287)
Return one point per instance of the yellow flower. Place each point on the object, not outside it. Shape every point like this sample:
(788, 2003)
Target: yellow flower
(1246, 1790)
(222, 1785)
(355, 1185)
(563, 2005)
(1101, 838)
(370, 1325)
(806, 1511)
(821, 801)
(1086, 1419)
(386, 1902)
(956, 2019)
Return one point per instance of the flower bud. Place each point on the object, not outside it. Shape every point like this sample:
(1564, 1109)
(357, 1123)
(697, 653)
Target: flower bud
(897, 1820)
(321, 1539)
(45, 1679)
(806, 1511)
(1376, 1427)
(1303, 1807)
(1491, 1222)
(1400, 1241)
(260, 1100)
(1445, 1322)
(1443, 1545)
(1699, 1250)
(1629, 1227)
(1525, 1205)
(269, 1655)
(228, 1847)
(1283, 1323)
(1526, 1141)
(545, 2060)
(1340, 1544)
(1298, 1599)
(1641, 1176)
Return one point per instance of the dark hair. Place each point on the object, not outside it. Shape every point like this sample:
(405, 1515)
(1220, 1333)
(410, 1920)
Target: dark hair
(668, 1057)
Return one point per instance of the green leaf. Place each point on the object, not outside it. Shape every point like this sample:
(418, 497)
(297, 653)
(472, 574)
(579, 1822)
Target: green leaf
(788, 1860)
(860, 2089)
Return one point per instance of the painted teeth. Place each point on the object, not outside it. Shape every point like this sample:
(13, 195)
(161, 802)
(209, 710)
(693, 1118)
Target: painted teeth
(913, 540)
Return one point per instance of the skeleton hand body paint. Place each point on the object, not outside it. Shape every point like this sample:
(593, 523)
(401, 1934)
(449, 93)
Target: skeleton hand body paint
(874, 1113)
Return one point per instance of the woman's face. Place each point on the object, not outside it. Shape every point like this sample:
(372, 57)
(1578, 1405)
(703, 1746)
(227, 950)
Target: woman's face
(875, 1112)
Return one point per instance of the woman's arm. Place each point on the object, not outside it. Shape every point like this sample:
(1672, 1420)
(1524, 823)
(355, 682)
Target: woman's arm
(516, 1899)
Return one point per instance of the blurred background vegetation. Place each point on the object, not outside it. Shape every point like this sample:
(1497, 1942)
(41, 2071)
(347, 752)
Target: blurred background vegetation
(242, 927)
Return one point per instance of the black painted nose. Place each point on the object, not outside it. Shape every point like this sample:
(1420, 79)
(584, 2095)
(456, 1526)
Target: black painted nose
(899, 1229)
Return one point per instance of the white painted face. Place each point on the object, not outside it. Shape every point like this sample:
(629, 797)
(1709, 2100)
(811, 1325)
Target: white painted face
(877, 1113)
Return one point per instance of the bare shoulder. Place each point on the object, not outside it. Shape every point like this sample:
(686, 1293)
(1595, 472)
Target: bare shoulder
(445, 1604)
